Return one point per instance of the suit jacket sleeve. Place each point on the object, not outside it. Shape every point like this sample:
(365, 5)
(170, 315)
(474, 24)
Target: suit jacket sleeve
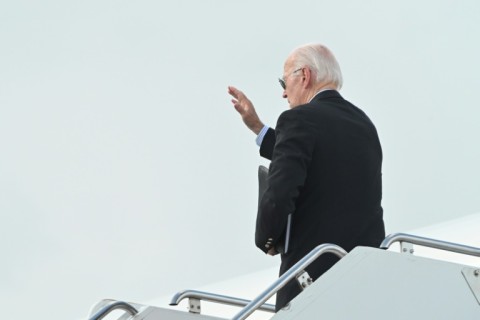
(266, 148)
(291, 157)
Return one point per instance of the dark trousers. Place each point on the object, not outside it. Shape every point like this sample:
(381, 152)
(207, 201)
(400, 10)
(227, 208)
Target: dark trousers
(292, 288)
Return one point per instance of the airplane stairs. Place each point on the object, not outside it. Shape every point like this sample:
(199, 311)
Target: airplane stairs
(367, 283)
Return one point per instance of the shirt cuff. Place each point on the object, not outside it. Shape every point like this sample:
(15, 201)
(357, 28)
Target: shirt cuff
(261, 135)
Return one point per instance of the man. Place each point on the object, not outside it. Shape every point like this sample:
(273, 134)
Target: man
(325, 167)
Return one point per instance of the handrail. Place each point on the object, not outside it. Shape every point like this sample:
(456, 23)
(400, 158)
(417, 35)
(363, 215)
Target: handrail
(287, 276)
(431, 243)
(113, 306)
(212, 297)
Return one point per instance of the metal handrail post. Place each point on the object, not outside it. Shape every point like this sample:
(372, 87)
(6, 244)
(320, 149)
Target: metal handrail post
(287, 276)
(212, 297)
(431, 243)
(113, 306)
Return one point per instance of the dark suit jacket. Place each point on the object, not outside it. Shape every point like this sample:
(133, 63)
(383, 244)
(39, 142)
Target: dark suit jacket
(326, 170)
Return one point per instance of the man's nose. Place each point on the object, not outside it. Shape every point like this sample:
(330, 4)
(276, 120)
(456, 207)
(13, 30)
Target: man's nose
(284, 94)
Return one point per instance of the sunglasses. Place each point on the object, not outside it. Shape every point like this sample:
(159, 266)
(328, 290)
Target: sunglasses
(282, 80)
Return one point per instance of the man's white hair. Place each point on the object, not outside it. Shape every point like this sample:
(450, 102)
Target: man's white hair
(320, 60)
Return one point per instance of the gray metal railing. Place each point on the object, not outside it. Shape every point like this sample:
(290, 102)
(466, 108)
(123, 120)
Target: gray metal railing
(114, 306)
(431, 243)
(291, 273)
(212, 297)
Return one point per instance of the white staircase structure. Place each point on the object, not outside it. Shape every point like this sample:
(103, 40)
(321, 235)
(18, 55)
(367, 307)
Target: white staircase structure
(367, 283)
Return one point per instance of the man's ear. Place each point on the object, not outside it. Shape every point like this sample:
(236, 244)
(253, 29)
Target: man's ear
(306, 77)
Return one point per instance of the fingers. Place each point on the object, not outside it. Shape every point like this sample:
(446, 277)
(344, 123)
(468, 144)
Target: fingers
(240, 109)
(246, 109)
(239, 99)
(234, 92)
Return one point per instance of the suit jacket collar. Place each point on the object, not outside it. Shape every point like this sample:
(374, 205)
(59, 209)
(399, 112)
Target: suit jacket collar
(326, 95)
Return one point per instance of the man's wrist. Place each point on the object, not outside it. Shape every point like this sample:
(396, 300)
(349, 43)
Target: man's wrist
(257, 128)
(261, 135)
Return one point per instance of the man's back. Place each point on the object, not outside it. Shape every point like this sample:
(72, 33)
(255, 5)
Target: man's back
(326, 169)
(342, 192)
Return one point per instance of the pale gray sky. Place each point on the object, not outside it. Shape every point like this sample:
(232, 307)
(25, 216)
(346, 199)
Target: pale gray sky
(126, 173)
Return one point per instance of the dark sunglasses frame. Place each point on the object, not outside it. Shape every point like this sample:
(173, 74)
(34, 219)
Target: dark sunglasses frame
(282, 80)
